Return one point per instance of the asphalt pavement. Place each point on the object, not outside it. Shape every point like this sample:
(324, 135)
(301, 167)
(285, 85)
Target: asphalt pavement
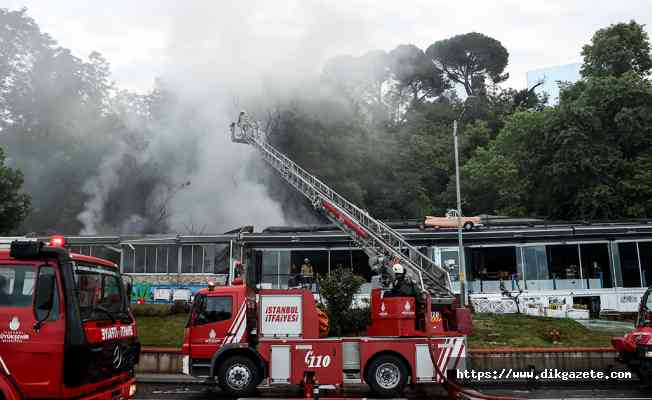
(593, 391)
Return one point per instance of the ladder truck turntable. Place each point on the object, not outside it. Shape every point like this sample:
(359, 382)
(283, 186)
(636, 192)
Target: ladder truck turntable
(66, 331)
(242, 336)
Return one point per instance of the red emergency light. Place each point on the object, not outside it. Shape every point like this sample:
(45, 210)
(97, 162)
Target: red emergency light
(57, 241)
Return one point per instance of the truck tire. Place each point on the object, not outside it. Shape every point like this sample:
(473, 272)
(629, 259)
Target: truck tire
(387, 376)
(468, 226)
(238, 376)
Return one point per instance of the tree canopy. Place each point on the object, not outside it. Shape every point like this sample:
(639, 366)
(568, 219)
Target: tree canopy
(14, 203)
(616, 50)
(470, 59)
(376, 127)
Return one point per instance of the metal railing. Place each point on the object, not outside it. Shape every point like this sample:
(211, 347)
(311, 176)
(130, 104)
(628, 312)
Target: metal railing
(379, 240)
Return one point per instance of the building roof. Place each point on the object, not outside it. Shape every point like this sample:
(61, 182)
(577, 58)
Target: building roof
(498, 231)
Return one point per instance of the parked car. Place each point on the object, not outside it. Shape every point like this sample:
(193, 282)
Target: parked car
(450, 221)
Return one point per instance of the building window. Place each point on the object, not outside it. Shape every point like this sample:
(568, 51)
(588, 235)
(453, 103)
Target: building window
(149, 259)
(447, 258)
(628, 259)
(534, 265)
(186, 259)
(204, 259)
(222, 254)
(564, 262)
(128, 258)
(141, 259)
(596, 268)
(107, 253)
(645, 254)
(493, 263)
(270, 268)
(162, 259)
(356, 260)
(318, 259)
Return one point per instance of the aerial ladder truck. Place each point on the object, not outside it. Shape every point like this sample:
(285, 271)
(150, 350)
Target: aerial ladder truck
(241, 335)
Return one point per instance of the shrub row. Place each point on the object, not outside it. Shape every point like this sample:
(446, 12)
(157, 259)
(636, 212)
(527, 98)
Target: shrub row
(159, 310)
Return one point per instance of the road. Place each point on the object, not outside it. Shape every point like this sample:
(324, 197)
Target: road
(632, 391)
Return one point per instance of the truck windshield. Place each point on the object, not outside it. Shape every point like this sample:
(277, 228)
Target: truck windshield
(16, 285)
(100, 292)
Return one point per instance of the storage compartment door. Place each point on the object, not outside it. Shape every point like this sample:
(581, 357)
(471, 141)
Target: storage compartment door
(280, 368)
(424, 367)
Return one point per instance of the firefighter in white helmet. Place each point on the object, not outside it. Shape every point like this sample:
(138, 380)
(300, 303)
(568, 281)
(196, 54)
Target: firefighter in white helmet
(402, 285)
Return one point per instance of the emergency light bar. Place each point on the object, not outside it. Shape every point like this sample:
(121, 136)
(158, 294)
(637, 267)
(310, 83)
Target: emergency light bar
(24, 247)
(57, 241)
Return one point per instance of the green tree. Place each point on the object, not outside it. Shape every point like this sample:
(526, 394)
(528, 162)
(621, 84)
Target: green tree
(497, 179)
(470, 59)
(337, 290)
(616, 50)
(415, 80)
(14, 204)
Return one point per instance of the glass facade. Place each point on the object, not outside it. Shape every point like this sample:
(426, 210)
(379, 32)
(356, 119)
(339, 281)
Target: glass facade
(284, 268)
(490, 268)
(164, 259)
(558, 266)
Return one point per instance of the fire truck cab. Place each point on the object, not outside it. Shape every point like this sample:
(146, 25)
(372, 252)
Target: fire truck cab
(65, 327)
(635, 348)
(241, 337)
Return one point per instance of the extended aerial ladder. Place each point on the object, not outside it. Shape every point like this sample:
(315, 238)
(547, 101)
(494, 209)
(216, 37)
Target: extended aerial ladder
(382, 244)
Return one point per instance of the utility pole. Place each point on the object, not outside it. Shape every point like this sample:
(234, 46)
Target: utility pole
(460, 255)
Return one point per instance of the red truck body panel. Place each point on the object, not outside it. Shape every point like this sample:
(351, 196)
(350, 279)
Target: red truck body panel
(323, 357)
(32, 359)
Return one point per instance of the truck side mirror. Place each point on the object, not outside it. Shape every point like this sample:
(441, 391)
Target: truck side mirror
(44, 300)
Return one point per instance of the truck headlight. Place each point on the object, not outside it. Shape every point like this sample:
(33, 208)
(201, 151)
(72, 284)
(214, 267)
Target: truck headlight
(132, 390)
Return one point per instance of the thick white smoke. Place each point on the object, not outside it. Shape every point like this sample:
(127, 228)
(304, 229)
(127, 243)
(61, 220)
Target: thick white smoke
(99, 188)
(224, 56)
(221, 57)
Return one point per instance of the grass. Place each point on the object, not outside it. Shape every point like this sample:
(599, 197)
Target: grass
(164, 331)
(488, 331)
(516, 330)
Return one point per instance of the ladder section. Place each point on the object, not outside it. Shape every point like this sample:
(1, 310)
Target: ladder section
(381, 243)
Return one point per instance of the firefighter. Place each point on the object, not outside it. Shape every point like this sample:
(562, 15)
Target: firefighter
(402, 285)
(307, 274)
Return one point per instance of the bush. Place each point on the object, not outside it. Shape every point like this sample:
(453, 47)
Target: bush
(179, 307)
(151, 310)
(356, 321)
(337, 290)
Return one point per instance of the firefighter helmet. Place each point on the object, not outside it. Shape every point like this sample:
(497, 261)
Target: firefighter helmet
(398, 269)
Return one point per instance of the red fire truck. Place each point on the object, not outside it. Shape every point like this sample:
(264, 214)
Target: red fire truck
(65, 327)
(242, 337)
(635, 348)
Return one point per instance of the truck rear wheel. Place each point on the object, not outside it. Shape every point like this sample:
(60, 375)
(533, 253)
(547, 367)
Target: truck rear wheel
(468, 226)
(238, 376)
(387, 376)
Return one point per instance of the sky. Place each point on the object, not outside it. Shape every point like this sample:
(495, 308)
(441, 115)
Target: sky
(145, 39)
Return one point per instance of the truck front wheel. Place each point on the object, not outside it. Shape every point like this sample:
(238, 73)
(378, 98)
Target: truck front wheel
(387, 376)
(238, 376)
